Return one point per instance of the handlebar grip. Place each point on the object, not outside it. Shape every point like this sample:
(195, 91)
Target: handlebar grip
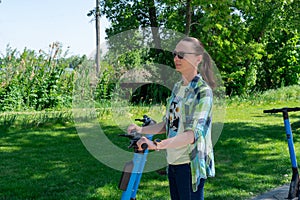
(294, 109)
(144, 146)
(126, 135)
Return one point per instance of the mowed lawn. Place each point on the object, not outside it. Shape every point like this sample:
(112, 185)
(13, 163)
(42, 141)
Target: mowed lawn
(49, 161)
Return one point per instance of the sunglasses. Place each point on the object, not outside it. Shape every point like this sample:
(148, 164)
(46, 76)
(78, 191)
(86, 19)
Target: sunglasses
(181, 54)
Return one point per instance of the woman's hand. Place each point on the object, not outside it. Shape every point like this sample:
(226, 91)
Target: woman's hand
(144, 140)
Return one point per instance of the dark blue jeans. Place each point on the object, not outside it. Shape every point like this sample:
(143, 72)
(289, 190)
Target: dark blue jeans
(180, 183)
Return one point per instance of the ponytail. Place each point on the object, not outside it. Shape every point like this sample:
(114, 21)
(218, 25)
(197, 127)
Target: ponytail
(206, 70)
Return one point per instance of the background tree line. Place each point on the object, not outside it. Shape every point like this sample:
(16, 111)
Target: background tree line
(255, 45)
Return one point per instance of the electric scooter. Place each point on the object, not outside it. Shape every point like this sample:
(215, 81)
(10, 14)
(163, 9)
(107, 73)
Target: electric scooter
(294, 189)
(132, 172)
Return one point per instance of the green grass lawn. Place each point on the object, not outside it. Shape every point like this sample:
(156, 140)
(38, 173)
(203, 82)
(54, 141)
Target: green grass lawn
(50, 162)
(252, 153)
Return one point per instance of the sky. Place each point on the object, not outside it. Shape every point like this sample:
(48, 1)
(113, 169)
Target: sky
(35, 24)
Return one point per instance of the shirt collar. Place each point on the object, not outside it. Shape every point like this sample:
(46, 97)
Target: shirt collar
(191, 86)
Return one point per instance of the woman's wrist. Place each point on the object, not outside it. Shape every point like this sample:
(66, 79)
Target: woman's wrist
(152, 146)
(157, 143)
(139, 129)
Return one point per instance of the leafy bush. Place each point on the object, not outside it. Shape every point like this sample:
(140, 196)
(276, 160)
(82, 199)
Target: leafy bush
(37, 80)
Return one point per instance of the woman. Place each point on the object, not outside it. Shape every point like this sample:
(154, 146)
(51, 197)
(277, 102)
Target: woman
(188, 123)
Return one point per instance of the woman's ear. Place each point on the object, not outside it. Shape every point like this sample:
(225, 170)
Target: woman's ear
(199, 59)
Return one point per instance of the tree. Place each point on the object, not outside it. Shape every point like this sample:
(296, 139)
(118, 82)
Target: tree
(272, 24)
(96, 14)
(254, 43)
(188, 17)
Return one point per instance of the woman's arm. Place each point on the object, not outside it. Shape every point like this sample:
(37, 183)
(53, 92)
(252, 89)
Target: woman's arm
(178, 141)
(158, 128)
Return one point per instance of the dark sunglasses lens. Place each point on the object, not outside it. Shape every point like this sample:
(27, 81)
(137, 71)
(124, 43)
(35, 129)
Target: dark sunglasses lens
(179, 54)
(174, 54)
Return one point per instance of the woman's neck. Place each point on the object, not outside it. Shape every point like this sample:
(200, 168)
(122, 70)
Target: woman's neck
(187, 78)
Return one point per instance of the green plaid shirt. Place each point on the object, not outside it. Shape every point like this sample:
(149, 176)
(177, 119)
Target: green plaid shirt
(196, 115)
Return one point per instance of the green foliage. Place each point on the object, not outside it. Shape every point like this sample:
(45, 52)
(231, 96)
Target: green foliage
(106, 83)
(150, 94)
(37, 81)
(255, 44)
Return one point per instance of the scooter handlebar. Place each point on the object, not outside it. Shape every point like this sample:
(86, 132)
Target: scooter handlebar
(274, 110)
(133, 140)
(135, 136)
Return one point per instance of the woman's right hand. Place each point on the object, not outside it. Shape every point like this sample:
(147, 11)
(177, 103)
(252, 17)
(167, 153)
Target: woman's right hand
(134, 128)
(144, 140)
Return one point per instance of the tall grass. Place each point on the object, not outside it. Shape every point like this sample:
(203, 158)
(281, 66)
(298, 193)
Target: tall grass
(284, 94)
(34, 119)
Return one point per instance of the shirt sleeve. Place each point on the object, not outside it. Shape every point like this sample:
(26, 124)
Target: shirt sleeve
(198, 112)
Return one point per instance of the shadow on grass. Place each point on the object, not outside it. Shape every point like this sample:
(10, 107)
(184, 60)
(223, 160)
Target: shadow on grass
(50, 162)
(251, 160)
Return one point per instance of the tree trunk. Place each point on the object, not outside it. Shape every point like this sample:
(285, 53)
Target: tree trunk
(97, 37)
(154, 24)
(188, 17)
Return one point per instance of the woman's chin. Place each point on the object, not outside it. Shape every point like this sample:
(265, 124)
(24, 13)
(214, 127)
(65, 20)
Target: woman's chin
(179, 69)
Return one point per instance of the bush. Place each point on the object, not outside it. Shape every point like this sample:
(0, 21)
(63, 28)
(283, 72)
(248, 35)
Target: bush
(37, 81)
